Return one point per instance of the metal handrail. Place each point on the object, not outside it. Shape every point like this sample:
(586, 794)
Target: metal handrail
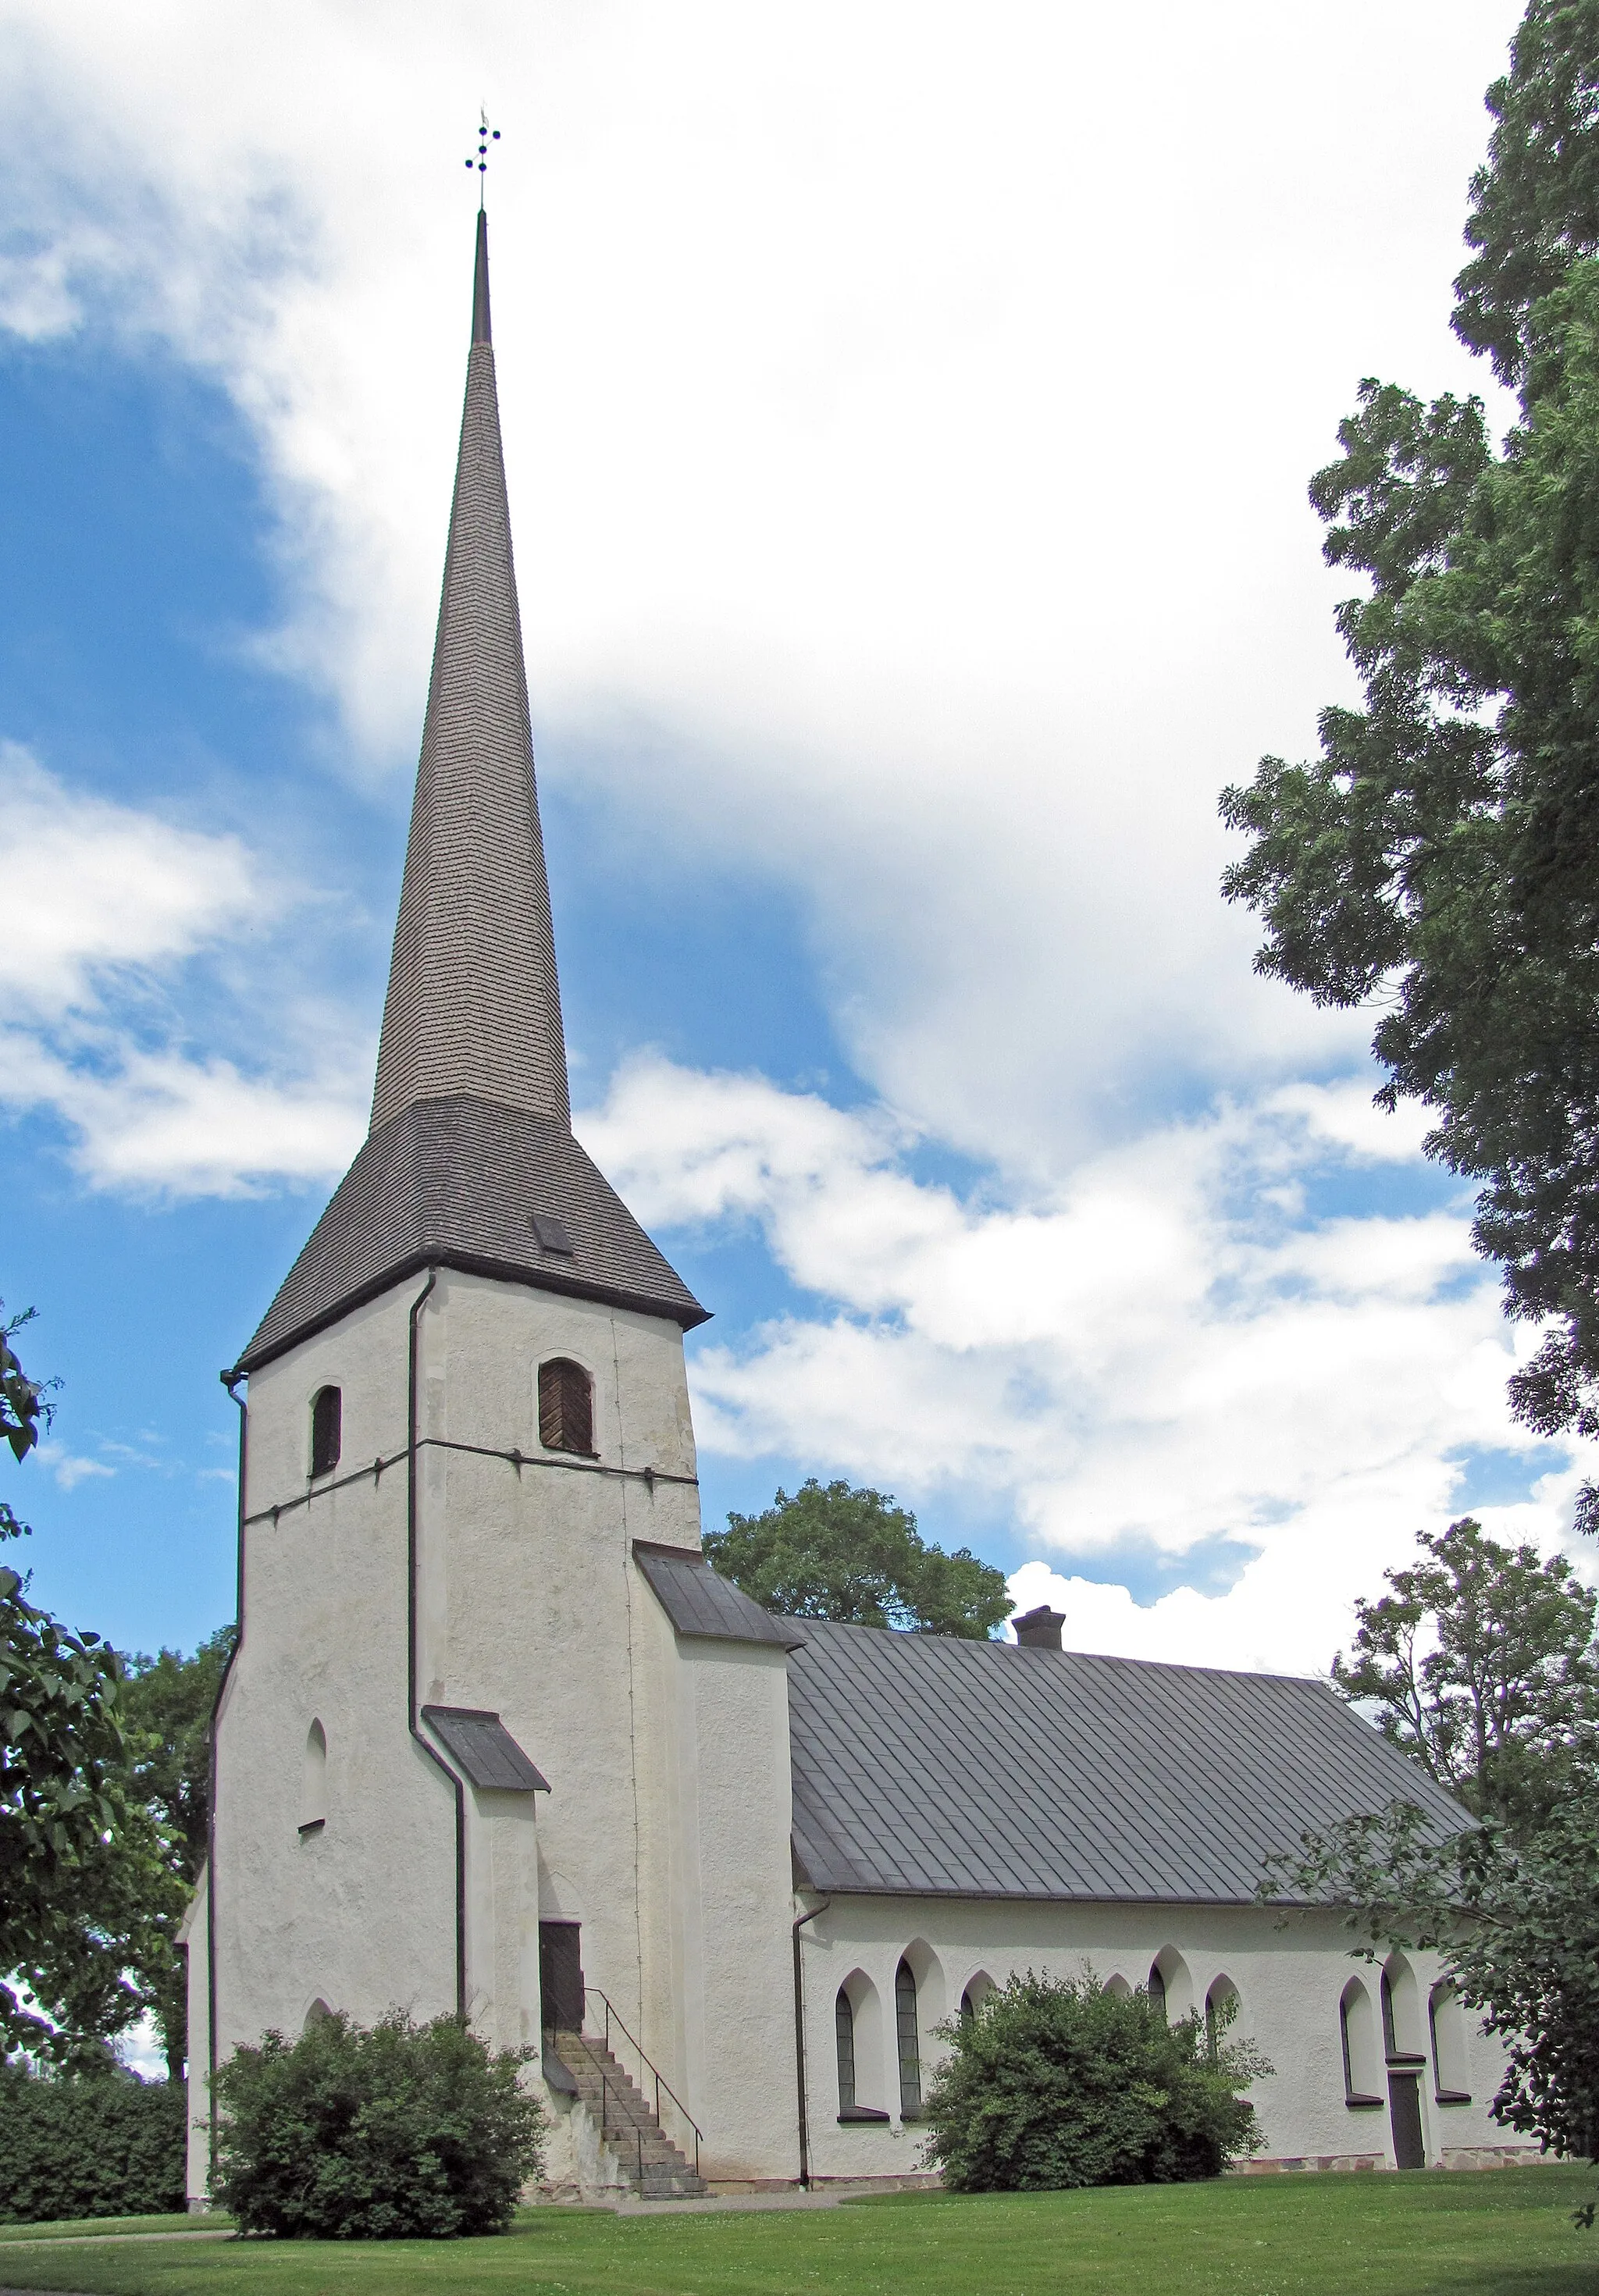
(662, 2085)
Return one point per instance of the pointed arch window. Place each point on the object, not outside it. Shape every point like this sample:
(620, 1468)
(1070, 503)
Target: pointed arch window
(1447, 2031)
(566, 1407)
(844, 2026)
(909, 2041)
(327, 1430)
(1157, 1987)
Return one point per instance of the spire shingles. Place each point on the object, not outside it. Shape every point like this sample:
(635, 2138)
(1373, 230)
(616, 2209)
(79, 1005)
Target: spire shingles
(471, 1142)
(474, 1004)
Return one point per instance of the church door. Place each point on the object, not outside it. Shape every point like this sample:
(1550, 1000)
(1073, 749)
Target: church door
(1405, 2111)
(560, 1976)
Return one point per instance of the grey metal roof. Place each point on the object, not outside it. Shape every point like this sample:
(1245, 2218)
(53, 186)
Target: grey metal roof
(485, 1748)
(470, 1138)
(697, 1602)
(457, 1184)
(927, 1765)
(473, 1004)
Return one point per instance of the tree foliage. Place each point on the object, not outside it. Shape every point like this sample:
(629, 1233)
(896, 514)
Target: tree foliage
(855, 1556)
(109, 2145)
(79, 1860)
(1479, 1663)
(1517, 1925)
(1441, 857)
(392, 2132)
(1055, 2084)
(166, 1704)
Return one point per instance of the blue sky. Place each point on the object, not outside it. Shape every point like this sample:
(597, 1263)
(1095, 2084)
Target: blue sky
(905, 566)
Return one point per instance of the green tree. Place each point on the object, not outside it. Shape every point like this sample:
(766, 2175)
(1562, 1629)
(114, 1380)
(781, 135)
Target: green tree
(1516, 1924)
(1441, 857)
(855, 1556)
(1479, 1662)
(77, 1860)
(167, 1702)
(1062, 2084)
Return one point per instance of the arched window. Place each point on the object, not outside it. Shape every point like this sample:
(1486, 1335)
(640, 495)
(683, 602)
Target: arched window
(910, 2044)
(1446, 2030)
(327, 1414)
(1157, 1987)
(858, 2028)
(1362, 2072)
(1118, 1986)
(316, 2014)
(844, 2020)
(1221, 2008)
(976, 1993)
(566, 1407)
(313, 1781)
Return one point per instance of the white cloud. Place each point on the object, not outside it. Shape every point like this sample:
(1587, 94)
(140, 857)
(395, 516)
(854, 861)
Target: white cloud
(93, 887)
(104, 903)
(909, 413)
(1136, 1360)
(68, 1468)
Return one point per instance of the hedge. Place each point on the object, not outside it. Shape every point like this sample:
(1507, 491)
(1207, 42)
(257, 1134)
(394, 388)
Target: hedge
(101, 2144)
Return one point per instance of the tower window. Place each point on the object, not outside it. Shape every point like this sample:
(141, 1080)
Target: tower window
(566, 1407)
(327, 1416)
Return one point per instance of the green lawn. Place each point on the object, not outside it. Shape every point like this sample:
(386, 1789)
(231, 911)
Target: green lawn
(1504, 2233)
(96, 2227)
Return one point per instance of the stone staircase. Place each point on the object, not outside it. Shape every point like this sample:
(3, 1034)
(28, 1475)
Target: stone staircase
(651, 2165)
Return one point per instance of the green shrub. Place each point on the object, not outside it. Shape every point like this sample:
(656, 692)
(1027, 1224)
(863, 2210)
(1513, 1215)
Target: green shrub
(1061, 2083)
(91, 2145)
(395, 2132)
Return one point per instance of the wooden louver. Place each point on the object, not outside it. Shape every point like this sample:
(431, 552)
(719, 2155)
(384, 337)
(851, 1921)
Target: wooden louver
(566, 1413)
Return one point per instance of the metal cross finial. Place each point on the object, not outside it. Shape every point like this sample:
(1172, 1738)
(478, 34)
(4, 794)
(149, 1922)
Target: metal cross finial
(486, 136)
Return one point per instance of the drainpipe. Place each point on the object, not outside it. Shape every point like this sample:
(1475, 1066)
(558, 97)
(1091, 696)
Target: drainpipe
(413, 1716)
(800, 2044)
(230, 1380)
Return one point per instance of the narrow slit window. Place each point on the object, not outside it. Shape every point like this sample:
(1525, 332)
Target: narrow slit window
(844, 2024)
(327, 1430)
(910, 2046)
(1157, 1988)
(566, 1407)
(313, 1781)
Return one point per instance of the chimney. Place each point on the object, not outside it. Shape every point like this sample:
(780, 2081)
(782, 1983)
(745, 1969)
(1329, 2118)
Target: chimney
(1039, 1629)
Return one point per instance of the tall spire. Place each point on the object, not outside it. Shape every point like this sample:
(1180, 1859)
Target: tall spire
(470, 1161)
(473, 1003)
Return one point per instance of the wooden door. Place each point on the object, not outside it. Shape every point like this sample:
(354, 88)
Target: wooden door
(1405, 2113)
(560, 1977)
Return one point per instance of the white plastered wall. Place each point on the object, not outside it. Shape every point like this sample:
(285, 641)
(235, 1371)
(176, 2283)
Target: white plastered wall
(1289, 1981)
(528, 1604)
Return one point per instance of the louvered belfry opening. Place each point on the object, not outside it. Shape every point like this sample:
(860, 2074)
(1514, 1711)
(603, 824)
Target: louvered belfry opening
(566, 1407)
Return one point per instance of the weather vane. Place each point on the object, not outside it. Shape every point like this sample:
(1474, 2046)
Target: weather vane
(486, 136)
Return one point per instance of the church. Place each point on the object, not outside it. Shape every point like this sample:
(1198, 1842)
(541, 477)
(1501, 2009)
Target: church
(496, 1742)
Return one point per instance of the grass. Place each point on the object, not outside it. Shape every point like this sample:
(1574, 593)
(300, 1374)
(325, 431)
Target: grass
(1501, 2232)
(96, 2227)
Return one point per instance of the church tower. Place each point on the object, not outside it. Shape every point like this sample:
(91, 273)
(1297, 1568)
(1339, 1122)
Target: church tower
(494, 1742)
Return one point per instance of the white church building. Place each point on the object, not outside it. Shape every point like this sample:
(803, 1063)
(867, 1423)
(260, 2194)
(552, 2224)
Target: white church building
(496, 1740)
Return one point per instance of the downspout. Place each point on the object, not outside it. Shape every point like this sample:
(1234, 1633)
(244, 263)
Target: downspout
(412, 1715)
(800, 2044)
(230, 1380)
